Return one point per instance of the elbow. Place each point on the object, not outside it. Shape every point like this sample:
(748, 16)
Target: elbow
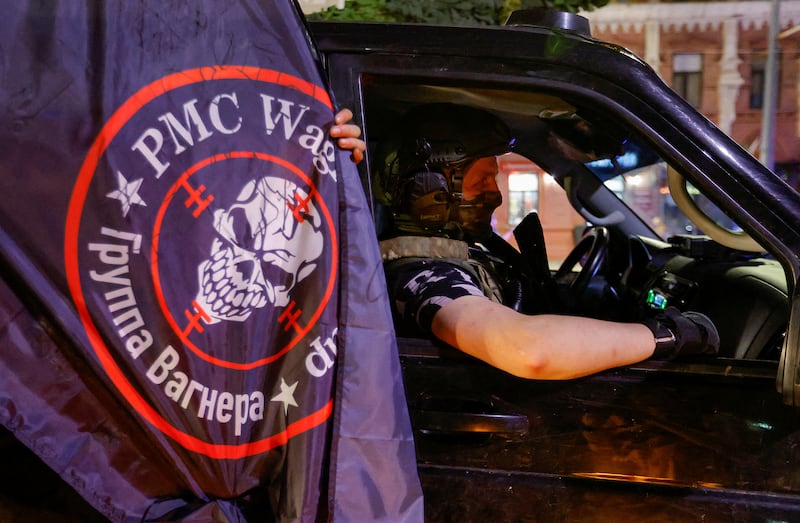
(531, 366)
(538, 366)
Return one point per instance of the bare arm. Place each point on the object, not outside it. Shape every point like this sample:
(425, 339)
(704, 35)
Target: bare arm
(348, 134)
(542, 346)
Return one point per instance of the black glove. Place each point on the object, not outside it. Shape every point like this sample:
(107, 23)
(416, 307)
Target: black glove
(680, 334)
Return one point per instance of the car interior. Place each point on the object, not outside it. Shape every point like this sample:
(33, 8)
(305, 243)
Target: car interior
(623, 267)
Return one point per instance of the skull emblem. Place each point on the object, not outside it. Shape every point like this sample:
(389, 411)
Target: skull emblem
(265, 244)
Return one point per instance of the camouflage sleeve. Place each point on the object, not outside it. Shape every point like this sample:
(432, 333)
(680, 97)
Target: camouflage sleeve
(419, 288)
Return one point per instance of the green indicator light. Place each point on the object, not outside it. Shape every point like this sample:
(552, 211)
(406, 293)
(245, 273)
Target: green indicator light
(656, 300)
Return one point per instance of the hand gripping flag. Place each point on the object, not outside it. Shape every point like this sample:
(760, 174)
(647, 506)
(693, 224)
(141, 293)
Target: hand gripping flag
(192, 310)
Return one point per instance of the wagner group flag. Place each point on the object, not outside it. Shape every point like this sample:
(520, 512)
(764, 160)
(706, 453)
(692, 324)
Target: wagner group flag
(192, 307)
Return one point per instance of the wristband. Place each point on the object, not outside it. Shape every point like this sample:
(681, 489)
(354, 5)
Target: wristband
(664, 336)
(665, 343)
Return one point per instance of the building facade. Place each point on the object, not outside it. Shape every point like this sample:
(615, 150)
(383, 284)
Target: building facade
(715, 55)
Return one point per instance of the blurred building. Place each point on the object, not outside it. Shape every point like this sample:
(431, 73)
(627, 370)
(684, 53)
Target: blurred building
(715, 55)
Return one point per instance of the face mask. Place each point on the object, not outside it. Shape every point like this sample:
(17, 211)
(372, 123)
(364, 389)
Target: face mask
(475, 216)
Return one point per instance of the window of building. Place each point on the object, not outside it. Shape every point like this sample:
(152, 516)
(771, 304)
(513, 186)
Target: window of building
(523, 196)
(758, 81)
(687, 77)
(757, 78)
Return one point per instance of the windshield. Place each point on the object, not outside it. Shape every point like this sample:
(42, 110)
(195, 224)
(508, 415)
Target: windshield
(638, 177)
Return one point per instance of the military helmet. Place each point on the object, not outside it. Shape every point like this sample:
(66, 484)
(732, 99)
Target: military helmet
(447, 135)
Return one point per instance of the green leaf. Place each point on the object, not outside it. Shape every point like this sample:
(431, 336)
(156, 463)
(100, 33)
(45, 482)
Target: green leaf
(445, 12)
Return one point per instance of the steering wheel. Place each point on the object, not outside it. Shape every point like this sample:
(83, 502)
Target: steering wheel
(590, 253)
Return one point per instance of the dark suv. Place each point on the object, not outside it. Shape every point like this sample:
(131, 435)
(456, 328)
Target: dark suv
(713, 439)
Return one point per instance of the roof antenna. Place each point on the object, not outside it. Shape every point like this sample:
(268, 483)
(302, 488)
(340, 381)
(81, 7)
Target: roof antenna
(539, 16)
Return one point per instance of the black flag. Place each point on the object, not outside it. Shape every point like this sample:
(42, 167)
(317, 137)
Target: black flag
(193, 308)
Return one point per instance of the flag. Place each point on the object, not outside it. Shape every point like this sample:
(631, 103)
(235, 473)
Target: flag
(193, 306)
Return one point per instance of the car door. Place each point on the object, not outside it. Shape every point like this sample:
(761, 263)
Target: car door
(710, 439)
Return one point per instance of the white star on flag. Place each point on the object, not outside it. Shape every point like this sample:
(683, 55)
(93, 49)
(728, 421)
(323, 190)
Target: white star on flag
(127, 193)
(286, 396)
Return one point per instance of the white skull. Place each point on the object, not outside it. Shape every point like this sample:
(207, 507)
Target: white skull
(273, 224)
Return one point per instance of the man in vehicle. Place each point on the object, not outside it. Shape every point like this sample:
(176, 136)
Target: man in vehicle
(438, 180)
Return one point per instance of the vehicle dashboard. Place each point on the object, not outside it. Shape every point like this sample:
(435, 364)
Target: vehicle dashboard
(744, 294)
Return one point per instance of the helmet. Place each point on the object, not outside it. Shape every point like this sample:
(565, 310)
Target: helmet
(419, 173)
